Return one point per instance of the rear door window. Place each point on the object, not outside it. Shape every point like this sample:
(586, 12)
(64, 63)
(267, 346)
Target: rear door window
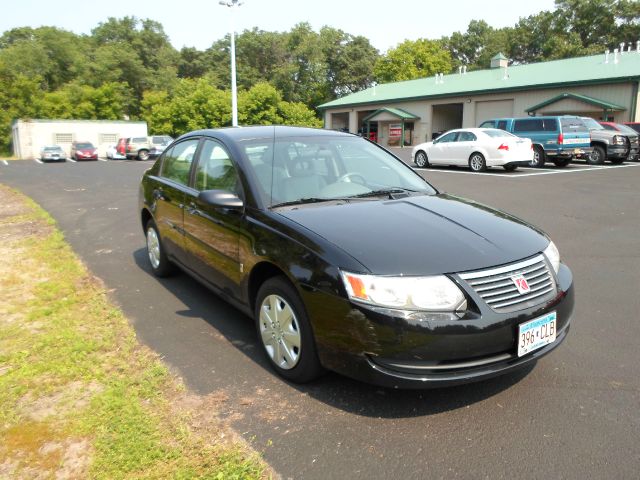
(466, 137)
(573, 125)
(528, 125)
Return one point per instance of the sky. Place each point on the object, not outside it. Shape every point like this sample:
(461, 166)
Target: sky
(198, 23)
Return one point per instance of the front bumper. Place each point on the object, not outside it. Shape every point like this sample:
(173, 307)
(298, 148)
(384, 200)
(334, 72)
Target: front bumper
(397, 352)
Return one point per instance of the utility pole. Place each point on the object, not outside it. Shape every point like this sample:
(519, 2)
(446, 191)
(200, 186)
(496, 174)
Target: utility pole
(233, 4)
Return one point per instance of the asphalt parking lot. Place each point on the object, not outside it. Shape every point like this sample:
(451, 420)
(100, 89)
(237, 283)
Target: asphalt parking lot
(576, 414)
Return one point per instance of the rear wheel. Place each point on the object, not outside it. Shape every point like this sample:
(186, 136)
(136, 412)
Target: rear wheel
(510, 168)
(160, 264)
(143, 155)
(477, 162)
(421, 159)
(597, 156)
(285, 332)
(562, 162)
(539, 157)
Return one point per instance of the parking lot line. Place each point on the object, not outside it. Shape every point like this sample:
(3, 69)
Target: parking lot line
(102, 159)
(37, 160)
(71, 160)
(5, 162)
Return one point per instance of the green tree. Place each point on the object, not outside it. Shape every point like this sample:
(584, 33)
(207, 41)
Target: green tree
(413, 59)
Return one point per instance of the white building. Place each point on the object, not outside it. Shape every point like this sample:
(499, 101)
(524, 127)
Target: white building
(29, 136)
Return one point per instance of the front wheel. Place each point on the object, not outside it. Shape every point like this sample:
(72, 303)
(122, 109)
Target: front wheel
(597, 156)
(477, 163)
(143, 155)
(539, 157)
(160, 264)
(421, 159)
(285, 332)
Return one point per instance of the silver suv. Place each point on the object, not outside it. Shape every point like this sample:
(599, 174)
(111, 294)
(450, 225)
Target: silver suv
(142, 148)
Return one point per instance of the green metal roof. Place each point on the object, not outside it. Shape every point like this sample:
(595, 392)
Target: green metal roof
(583, 98)
(572, 71)
(398, 112)
(499, 56)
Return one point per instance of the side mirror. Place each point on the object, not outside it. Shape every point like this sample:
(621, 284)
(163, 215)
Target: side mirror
(221, 199)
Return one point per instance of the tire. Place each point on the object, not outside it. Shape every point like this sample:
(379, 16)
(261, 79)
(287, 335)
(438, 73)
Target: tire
(510, 168)
(160, 264)
(598, 156)
(477, 163)
(289, 345)
(143, 155)
(421, 159)
(539, 157)
(562, 163)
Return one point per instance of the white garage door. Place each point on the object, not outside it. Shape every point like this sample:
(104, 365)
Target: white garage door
(493, 109)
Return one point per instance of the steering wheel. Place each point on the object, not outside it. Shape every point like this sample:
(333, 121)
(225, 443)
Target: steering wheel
(355, 176)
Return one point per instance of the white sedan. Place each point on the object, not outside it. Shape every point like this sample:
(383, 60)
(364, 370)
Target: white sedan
(477, 148)
(112, 153)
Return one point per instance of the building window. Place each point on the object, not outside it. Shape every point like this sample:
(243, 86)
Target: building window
(108, 138)
(62, 138)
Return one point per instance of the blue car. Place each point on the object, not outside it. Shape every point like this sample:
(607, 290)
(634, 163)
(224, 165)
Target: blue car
(555, 138)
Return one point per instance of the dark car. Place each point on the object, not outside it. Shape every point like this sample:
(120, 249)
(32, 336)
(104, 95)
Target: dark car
(348, 260)
(83, 151)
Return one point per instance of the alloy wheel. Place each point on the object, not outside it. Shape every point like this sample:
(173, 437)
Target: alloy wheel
(153, 247)
(280, 332)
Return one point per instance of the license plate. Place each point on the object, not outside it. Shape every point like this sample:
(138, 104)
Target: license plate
(536, 333)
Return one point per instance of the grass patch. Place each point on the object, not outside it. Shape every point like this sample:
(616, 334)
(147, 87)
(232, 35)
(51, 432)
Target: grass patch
(79, 396)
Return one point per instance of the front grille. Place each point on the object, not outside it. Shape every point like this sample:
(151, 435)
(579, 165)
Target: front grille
(498, 290)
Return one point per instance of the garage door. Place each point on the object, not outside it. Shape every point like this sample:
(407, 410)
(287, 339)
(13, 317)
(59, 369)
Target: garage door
(493, 109)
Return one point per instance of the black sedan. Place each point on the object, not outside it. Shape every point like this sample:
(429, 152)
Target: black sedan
(350, 261)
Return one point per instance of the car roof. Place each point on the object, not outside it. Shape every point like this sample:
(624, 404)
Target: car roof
(261, 132)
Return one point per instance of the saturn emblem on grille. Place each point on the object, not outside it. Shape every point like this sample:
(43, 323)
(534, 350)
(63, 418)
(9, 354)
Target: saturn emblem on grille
(521, 284)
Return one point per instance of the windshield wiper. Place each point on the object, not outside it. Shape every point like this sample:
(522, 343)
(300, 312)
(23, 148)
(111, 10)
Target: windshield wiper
(302, 201)
(385, 191)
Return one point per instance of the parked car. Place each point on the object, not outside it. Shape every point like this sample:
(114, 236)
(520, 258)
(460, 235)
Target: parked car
(83, 151)
(113, 154)
(554, 138)
(478, 148)
(607, 144)
(348, 260)
(52, 153)
(630, 133)
(142, 148)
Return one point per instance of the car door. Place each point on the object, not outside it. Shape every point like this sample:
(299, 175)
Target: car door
(439, 151)
(169, 190)
(462, 148)
(212, 233)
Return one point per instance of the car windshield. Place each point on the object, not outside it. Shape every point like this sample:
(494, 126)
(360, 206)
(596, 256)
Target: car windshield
(495, 133)
(320, 168)
(592, 124)
(84, 145)
(626, 130)
(52, 149)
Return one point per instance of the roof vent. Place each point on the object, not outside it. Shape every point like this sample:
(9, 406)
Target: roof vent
(606, 56)
(615, 55)
(621, 48)
(499, 61)
(638, 46)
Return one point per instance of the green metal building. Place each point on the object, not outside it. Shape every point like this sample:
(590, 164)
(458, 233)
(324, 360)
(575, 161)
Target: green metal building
(410, 112)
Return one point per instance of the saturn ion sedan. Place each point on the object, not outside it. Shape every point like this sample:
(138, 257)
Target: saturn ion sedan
(348, 260)
(477, 148)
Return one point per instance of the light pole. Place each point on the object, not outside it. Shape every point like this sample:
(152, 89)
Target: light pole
(233, 4)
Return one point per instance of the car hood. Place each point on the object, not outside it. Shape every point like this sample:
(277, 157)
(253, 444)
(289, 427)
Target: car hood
(421, 235)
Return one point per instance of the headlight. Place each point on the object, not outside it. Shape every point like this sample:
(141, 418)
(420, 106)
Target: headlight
(436, 293)
(553, 255)
(618, 140)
